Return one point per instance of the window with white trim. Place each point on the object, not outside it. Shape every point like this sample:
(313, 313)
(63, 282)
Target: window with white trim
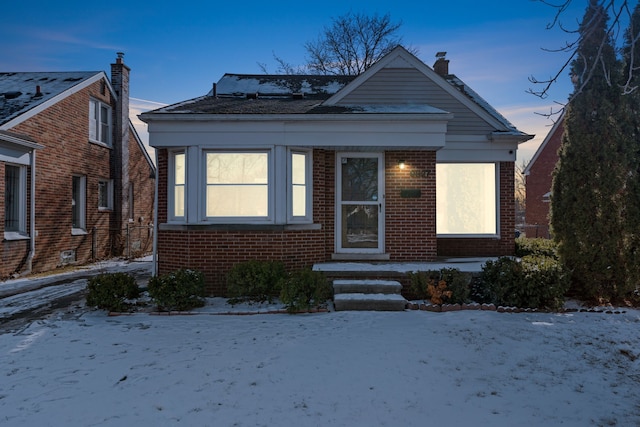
(466, 199)
(237, 185)
(15, 199)
(99, 122)
(178, 185)
(299, 183)
(78, 203)
(105, 194)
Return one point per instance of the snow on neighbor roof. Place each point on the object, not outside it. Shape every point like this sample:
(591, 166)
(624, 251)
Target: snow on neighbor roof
(19, 91)
(279, 84)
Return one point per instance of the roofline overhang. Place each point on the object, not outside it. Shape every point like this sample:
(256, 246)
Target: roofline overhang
(187, 117)
(510, 137)
(20, 140)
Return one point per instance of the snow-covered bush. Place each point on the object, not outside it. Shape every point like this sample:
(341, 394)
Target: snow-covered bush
(111, 291)
(180, 290)
(532, 282)
(255, 281)
(304, 289)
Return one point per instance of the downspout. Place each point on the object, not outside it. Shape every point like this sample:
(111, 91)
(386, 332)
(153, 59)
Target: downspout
(32, 217)
(154, 263)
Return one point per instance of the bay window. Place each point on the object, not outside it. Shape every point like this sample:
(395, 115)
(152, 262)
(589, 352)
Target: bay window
(177, 188)
(466, 199)
(299, 205)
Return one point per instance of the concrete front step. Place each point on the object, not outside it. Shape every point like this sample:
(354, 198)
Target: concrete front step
(370, 302)
(366, 286)
(368, 294)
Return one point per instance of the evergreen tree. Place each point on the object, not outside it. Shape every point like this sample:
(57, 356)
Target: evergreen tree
(631, 79)
(588, 215)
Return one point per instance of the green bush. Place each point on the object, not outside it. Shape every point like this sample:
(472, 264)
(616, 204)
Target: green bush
(180, 290)
(111, 291)
(538, 247)
(304, 289)
(255, 281)
(447, 285)
(532, 282)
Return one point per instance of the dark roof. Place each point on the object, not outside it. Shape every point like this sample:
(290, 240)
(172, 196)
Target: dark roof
(18, 90)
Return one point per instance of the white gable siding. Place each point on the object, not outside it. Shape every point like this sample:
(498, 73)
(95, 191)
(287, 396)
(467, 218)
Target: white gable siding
(392, 86)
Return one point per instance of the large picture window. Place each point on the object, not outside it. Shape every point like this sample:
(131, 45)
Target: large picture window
(237, 184)
(466, 199)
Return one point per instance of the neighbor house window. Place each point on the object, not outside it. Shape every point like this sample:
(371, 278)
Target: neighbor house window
(178, 180)
(237, 185)
(99, 122)
(78, 204)
(466, 199)
(299, 185)
(105, 194)
(15, 199)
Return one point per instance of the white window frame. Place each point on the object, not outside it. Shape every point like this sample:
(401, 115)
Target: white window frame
(271, 184)
(79, 203)
(308, 216)
(107, 184)
(97, 110)
(171, 188)
(21, 195)
(497, 205)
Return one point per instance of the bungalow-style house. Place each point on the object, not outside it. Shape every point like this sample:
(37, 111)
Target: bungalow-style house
(402, 163)
(539, 177)
(78, 184)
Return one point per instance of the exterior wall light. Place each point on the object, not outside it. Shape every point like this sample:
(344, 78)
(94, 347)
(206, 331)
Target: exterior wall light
(401, 164)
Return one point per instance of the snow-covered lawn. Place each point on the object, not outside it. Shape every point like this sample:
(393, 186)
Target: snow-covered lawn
(411, 368)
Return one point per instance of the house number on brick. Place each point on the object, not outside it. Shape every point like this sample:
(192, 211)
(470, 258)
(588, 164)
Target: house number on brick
(419, 173)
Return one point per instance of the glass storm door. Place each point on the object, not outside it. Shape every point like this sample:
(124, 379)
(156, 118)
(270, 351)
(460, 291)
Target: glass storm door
(359, 207)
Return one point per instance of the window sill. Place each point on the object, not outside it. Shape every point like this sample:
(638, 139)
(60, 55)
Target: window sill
(468, 236)
(102, 144)
(14, 235)
(78, 232)
(238, 227)
(105, 210)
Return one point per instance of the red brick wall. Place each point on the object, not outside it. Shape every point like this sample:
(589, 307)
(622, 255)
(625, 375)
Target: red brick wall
(141, 176)
(410, 233)
(505, 245)
(539, 183)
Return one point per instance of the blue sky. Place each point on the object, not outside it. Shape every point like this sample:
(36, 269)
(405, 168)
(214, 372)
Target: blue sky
(177, 51)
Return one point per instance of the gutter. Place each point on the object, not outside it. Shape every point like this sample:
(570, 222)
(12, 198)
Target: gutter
(32, 218)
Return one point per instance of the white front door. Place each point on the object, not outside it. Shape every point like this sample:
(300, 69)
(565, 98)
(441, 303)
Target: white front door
(360, 203)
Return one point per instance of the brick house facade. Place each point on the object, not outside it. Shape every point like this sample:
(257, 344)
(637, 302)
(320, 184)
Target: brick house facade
(539, 177)
(308, 169)
(94, 181)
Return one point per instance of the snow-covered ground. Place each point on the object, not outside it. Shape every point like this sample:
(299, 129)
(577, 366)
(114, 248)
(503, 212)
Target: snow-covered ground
(412, 368)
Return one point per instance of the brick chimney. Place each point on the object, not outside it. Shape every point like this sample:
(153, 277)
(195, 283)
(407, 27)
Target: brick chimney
(120, 82)
(441, 66)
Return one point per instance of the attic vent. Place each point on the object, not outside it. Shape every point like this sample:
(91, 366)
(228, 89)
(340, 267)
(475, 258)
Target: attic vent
(73, 79)
(297, 95)
(12, 95)
(252, 95)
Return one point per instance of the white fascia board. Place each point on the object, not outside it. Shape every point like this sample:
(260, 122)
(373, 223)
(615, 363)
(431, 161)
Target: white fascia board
(382, 132)
(59, 97)
(477, 155)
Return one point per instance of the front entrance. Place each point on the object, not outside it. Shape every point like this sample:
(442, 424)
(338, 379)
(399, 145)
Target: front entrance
(360, 203)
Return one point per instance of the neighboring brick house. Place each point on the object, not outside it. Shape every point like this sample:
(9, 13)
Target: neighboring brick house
(539, 176)
(401, 163)
(78, 183)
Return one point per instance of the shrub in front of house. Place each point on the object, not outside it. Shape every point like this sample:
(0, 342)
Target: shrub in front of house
(447, 285)
(531, 282)
(112, 291)
(536, 246)
(180, 290)
(255, 281)
(304, 289)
